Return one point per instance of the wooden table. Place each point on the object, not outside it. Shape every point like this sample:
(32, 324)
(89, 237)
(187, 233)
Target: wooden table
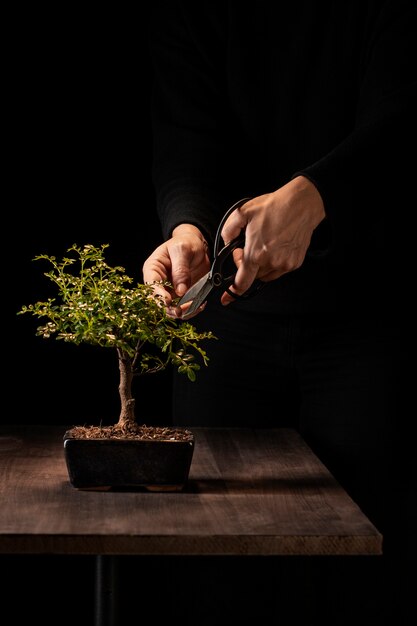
(250, 492)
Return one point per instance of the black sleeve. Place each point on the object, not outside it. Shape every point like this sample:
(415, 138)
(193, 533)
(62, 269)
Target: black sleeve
(362, 180)
(366, 178)
(187, 111)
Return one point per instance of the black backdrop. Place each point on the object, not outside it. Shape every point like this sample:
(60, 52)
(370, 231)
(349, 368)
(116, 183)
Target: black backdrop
(77, 170)
(80, 160)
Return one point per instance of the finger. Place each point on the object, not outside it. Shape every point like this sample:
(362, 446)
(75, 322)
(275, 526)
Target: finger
(245, 276)
(234, 224)
(186, 316)
(152, 274)
(174, 311)
(163, 297)
(157, 266)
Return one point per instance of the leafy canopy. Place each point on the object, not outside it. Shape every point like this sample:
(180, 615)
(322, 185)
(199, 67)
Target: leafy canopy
(97, 305)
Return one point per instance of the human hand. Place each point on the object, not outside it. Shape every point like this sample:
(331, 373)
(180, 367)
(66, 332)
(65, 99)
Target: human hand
(181, 260)
(278, 229)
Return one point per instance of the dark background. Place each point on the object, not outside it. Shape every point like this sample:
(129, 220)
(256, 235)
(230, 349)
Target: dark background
(80, 161)
(77, 170)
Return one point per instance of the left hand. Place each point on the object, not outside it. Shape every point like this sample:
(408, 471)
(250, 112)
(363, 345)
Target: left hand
(181, 260)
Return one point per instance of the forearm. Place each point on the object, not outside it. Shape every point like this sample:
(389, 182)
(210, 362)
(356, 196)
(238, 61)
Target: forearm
(359, 179)
(187, 136)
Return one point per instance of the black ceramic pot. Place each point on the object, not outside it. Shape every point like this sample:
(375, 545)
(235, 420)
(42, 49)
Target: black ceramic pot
(128, 463)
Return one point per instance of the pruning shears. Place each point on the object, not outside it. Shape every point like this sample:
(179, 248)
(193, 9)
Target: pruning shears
(220, 276)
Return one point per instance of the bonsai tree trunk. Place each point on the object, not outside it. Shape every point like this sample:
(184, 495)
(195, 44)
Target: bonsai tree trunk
(127, 401)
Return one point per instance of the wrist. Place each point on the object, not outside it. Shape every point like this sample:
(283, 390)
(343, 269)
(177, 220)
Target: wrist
(306, 185)
(188, 229)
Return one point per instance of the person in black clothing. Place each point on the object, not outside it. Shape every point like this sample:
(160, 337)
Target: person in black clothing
(305, 108)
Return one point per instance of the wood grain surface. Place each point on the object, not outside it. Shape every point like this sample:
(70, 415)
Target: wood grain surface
(257, 492)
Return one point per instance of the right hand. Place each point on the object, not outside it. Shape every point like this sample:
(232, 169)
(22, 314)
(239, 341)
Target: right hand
(182, 260)
(278, 229)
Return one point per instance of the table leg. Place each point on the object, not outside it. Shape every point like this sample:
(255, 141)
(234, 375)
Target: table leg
(106, 590)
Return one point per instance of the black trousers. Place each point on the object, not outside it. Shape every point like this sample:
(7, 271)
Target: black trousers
(338, 379)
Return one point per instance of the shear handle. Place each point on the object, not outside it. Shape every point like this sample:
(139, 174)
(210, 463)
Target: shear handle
(217, 277)
(234, 207)
(216, 273)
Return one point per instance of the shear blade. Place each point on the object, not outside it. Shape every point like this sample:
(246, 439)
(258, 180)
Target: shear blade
(197, 295)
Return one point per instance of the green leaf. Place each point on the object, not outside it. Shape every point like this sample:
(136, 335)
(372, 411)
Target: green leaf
(96, 304)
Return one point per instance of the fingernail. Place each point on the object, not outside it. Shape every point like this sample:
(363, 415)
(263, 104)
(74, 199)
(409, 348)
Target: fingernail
(181, 289)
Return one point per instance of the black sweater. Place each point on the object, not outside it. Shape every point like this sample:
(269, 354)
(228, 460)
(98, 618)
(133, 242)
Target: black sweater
(246, 98)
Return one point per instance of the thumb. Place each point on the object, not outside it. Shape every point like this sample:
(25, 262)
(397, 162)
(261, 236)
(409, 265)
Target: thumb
(181, 274)
(181, 279)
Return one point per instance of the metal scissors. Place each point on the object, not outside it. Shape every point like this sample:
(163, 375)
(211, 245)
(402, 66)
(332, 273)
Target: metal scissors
(217, 278)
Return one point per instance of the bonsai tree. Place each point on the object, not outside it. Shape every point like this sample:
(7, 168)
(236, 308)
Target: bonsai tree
(96, 304)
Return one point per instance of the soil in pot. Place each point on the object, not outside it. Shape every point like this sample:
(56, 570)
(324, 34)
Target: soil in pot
(152, 458)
